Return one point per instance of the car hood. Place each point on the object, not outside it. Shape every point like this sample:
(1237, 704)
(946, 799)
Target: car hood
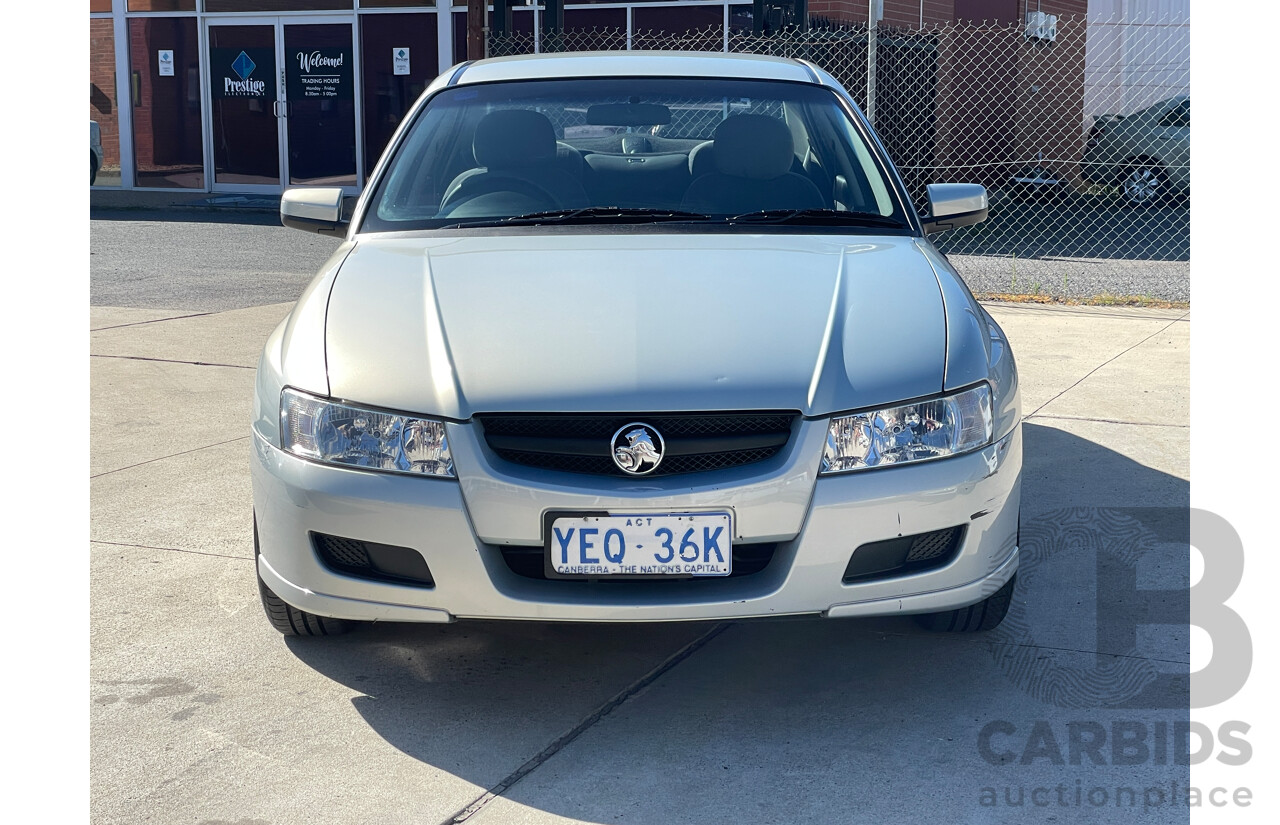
(634, 323)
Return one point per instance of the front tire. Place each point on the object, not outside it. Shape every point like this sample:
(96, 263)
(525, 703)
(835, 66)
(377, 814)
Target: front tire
(976, 618)
(288, 619)
(291, 621)
(1144, 184)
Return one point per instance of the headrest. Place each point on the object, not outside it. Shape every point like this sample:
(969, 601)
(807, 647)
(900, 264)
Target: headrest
(510, 138)
(753, 146)
(701, 161)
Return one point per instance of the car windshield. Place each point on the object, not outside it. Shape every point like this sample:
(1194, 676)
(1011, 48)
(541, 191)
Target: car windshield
(633, 150)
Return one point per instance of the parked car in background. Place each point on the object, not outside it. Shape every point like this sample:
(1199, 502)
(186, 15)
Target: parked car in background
(95, 151)
(635, 377)
(1147, 154)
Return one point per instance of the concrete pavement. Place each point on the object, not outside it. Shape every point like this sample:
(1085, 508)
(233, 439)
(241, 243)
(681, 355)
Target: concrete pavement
(201, 713)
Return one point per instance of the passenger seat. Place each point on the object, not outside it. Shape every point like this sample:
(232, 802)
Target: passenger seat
(752, 157)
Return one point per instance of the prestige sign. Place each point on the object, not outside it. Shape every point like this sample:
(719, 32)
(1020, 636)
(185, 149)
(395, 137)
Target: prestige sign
(242, 73)
(319, 74)
(243, 88)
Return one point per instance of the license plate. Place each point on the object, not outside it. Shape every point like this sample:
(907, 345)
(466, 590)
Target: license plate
(685, 544)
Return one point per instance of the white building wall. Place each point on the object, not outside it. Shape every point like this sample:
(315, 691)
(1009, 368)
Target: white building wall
(1137, 52)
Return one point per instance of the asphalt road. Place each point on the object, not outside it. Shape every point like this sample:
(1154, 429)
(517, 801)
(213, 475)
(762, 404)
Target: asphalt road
(1075, 247)
(199, 261)
(201, 713)
(213, 261)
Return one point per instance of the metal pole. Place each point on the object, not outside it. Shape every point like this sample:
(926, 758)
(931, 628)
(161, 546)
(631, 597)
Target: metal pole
(124, 100)
(476, 28)
(552, 25)
(501, 22)
(872, 19)
(444, 36)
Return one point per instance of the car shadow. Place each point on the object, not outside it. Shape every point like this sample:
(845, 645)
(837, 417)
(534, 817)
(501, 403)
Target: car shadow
(839, 703)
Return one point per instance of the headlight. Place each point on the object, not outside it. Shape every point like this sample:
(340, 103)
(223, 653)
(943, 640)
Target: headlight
(334, 433)
(917, 431)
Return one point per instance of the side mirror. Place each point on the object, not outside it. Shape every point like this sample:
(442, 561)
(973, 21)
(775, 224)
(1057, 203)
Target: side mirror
(953, 205)
(313, 210)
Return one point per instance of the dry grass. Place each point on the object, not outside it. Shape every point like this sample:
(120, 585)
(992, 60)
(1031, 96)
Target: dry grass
(1105, 299)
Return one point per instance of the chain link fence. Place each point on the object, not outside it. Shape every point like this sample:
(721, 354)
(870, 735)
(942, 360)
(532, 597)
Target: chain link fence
(1080, 133)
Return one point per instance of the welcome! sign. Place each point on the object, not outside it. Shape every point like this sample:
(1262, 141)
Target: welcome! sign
(319, 73)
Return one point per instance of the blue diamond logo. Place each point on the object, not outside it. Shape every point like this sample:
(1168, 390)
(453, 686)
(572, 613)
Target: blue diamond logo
(243, 66)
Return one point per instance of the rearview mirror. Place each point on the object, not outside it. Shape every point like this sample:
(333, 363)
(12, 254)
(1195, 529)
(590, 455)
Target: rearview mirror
(953, 205)
(313, 210)
(628, 114)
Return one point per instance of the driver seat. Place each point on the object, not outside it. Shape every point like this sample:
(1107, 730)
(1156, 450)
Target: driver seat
(516, 151)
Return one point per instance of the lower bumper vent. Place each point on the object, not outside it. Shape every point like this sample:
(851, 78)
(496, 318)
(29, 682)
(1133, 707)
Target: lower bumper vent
(369, 560)
(904, 555)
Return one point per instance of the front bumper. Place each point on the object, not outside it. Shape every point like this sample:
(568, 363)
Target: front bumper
(293, 498)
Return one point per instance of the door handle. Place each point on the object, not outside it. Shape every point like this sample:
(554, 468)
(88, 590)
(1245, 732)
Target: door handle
(280, 108)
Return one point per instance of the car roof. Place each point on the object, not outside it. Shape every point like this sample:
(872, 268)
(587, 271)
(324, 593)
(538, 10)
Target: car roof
(633, 64)
(1162, 106)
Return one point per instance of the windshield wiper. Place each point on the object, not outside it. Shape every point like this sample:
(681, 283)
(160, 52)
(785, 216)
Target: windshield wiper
(818, 217)
(601, 214)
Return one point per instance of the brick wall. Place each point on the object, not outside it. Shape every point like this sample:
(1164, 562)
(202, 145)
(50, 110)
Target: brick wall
(1066, 8)
(907, 13)
(102, 89)
(896, 12)
(977, 103)
(992, 103)
(1051, 100)
(989, 11)
(143, 128)
(1003, 100)
(1012, 11)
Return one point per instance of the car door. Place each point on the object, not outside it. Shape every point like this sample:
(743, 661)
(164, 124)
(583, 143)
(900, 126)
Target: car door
(1172, 143)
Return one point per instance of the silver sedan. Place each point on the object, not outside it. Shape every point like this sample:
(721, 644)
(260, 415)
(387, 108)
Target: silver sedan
(635, 337)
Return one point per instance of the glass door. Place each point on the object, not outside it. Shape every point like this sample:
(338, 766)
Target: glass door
(245, 106)
(320, 93)
(283, 103)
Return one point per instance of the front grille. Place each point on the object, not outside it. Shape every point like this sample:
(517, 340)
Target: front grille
(369, 560)
(530, 562)
(694, 442)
